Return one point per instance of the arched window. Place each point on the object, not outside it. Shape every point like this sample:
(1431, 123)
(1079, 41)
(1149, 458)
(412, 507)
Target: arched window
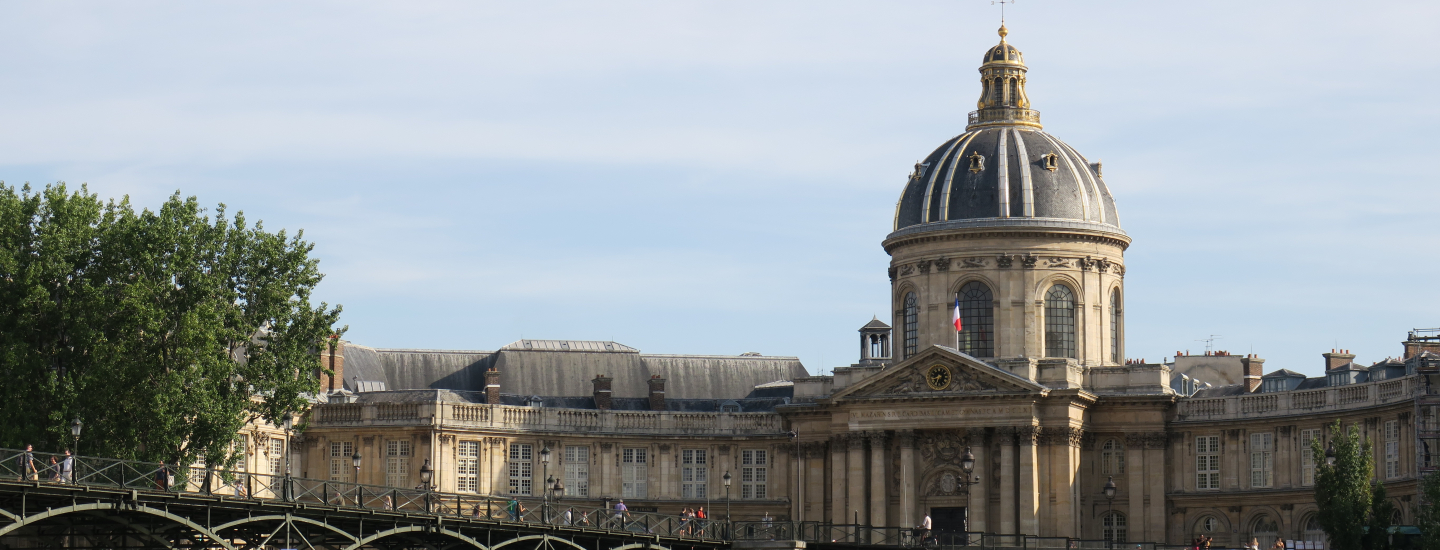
(977, 320)
(912, 321)
(1112, 458)
(1265, 530)
(1115, 323)
(1312, 531)
(1114, 523)
(1060, 322)
(1397, 517)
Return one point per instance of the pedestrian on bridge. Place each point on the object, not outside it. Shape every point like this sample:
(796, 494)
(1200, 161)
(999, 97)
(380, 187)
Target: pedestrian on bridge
(67, 468)
(27, 465)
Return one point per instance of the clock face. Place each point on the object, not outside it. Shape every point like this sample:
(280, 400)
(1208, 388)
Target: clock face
(938, 377)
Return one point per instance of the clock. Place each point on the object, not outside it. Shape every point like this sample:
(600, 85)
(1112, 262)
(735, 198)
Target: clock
(938, 377)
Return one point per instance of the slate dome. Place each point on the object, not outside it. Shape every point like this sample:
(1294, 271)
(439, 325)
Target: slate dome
(1005, 171)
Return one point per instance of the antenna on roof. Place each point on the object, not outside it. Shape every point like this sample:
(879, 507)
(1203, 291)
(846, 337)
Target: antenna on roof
(1210, 342)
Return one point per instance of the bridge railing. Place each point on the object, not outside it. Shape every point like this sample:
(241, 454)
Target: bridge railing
(38, 467)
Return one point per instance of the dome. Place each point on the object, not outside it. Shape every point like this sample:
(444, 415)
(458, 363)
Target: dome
(1005, 171)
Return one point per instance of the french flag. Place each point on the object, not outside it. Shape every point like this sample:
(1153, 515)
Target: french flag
(958, 324)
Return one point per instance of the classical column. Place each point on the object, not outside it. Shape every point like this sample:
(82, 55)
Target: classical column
(855, 480)
(1155, 444)
(1029, 490)
(815, 488)
(838, 472)
(906, 440)
(1007, 480)
(1064, 468)
(979, 492)
(1135, 467)
(798, 469)
(877, 479)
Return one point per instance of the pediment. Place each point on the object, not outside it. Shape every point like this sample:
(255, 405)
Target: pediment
(940, 371)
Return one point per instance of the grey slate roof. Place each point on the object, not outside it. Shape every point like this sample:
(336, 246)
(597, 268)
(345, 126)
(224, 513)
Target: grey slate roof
(1221, 391)
(1286, 373)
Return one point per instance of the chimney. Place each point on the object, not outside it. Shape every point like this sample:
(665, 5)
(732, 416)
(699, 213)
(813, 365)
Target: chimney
(1334, 360)
(332, 357)
(602, 391)
(1420, 340)
(492, 386)
(1254, 368)
(657, 393)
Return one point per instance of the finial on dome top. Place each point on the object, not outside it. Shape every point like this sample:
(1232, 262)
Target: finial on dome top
(1003, 31)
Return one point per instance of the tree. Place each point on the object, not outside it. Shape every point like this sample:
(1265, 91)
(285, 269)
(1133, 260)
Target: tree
(1349, 503)
(1427, 517)
(163, 331)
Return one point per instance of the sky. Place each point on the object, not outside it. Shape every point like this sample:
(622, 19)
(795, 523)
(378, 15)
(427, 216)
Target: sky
(715, 177)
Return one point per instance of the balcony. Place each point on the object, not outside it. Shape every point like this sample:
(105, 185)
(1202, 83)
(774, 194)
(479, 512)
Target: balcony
(505, 418)
(1276, 404)
(1004, 116)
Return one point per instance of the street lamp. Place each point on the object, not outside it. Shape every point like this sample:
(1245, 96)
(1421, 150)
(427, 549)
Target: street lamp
(355, 461)
(545, 492)
(967, 464)
(426, 473)
(289, 424)
(1109, 508)
(74, 457)
(726, 480)
(1330, 454)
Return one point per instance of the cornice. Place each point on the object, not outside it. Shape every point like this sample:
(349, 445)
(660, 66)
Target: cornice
(917, 234)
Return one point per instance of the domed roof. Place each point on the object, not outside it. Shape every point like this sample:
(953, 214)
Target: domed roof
(1005, 171)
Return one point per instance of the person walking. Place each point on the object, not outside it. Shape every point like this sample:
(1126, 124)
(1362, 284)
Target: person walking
(700, 519)
(622, 513)
(67, 468)
(27, 465)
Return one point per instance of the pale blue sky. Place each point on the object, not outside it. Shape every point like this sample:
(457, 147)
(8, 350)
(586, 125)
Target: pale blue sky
(716, 177)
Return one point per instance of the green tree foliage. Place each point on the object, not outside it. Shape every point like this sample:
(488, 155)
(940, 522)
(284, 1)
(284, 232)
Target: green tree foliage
(1427, 517)
(163, 331)
(1348, 501)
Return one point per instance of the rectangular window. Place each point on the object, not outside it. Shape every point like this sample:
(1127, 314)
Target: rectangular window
(521, 463)
(340, 463)
(467, 467)
(753, 476)
(694, 473)
(577, 471)
(276, 455)
(1307, 456)
(1262, 459)
(1207, 462)
(397, 463)
(1392, 449)
(634, 473)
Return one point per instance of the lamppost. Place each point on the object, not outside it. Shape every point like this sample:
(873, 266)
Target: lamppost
(426, 474)
(75, 449)
(355, 461)
(1330, 454)
(289, 426)
(557, 490)
(1109, 509)
(545, 493)
(967, 464)
(728, 525)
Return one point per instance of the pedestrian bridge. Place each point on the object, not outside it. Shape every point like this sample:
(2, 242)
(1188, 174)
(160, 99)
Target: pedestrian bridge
(109, 503)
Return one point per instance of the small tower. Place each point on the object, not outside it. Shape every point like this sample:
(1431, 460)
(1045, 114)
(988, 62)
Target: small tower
(874, 343)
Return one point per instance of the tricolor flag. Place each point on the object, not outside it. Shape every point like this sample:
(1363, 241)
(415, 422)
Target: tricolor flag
(958, 324)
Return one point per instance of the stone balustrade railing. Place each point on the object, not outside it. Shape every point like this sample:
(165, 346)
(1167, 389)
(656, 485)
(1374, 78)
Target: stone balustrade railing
(508, 418)
(1256, 405)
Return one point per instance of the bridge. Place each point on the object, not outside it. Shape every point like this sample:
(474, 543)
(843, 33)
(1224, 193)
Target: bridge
(110, 503)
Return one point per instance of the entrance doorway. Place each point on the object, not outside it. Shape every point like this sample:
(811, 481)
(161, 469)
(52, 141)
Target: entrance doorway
(948, 519)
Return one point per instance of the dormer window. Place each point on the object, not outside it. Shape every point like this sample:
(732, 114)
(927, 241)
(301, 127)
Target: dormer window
(730, 406)
(1050, 161)
(1337, 379)
(977, 162)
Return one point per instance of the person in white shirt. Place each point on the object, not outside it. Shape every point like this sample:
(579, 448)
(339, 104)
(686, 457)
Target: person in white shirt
(924, 529)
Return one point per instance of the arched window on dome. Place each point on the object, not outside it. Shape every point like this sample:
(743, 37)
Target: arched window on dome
(1112, 458)
(1060, 322)
(977, 320)
(1114, 523)
(1116, 320)
(912, 322)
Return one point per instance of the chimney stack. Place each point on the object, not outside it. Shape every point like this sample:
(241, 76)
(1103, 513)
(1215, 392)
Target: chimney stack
(1254, 368)
(333, 357)
(602, 391)
(492, 386)
(1334, 360)
(657, 393)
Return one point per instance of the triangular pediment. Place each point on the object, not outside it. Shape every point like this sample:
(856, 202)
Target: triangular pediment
(939, 371)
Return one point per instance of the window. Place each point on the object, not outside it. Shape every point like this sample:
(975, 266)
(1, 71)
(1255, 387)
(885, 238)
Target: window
(977, 320)
(1207, 526)
(1115, 323)
(1392, 449)
(1265, 530)
(397, 463)
(577, 471)
(1307, 456)
(1114, 523)
(1112, 458)
(340, 464)
(912, 320)
(1262, 459)
(1207, 462)
(634, 473)
(694, 473)
(276, 454)
(1060, 322)
(467, 467)
(521, 463)
(752, 474)
(1312, 531)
